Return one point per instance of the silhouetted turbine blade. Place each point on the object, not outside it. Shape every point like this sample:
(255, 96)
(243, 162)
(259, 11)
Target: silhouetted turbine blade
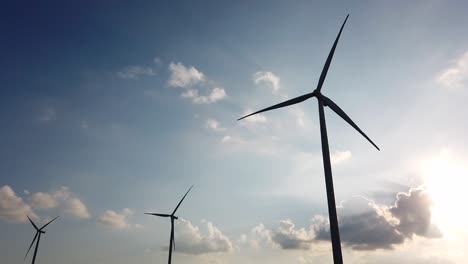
(329, 58)
(48, 223)
(173, 239)
(30, 246)
(162, 215)
(33, 223)
(328, 102)
(182, 200)
(283, 104)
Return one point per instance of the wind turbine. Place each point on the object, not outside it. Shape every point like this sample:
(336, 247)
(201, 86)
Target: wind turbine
(325, 101)
(39, 232)
(173, 217)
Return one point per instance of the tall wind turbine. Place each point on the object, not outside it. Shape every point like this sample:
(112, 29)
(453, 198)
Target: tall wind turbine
(325, 101)
(173, 217)
(39, 232)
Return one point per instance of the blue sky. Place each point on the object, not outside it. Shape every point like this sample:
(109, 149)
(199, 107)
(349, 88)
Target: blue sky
(113, 109)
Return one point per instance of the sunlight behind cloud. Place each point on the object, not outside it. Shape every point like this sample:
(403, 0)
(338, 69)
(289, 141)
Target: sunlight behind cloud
(446, 182)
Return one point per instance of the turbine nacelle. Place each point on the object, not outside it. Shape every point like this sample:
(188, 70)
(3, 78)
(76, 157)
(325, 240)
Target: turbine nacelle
(37, 237)
(173, 217)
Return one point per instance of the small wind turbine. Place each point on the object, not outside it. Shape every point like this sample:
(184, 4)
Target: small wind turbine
(325, 101)
(39, 232)
(173, 217)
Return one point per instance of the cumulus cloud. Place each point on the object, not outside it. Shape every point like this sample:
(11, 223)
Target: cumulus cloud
(413, 210)
(13, 208)
(63, 199)
(365, 225)
(286, 236)
(135, 72)
(42, 200)
(215, 95)
(214, 125)
(116, 220)
(187, 77)
(340, 156)
(183, 76)
(267, 78)
(456, 75)
(190, 240)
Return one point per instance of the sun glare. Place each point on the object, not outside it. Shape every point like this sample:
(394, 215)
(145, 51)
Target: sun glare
(446, 181)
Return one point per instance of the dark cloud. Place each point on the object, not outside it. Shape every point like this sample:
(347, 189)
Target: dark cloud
(367, 226)
(363, 227)
(288, 237)
(413, 210)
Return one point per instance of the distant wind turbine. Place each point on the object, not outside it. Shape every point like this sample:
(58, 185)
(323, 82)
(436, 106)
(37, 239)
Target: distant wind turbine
(39, 232)
(325, 101)
(173, 217)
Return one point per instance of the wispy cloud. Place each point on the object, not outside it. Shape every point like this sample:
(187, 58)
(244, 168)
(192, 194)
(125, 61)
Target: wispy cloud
(117, 220)
(135, 72)
(267, 78)
(214, 125)
(340, 156)
(215, 95)
(47, 115)
(455, 76)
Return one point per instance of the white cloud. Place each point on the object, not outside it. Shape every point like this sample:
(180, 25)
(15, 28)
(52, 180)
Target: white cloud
(214, 125)
(63, 199)
(116, 220)
(340, 156)
(268, 78)
(135, 72)
(184, 77)
(190, 240)
(216, 94)
(457, 75)
(13, 208)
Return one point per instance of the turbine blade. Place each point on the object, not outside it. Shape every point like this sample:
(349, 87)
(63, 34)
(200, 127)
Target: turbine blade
(35, 249)
(30, 246)
(173, 239)
(328, 102)
(330, 57)
(162, 215)
(182, 200)
(37, 229)
(283, 104)
(48, 223)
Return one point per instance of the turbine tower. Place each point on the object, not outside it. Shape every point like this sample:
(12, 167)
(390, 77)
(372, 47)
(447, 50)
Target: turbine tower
(322, 102)
(39, 232)
(173, 217)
